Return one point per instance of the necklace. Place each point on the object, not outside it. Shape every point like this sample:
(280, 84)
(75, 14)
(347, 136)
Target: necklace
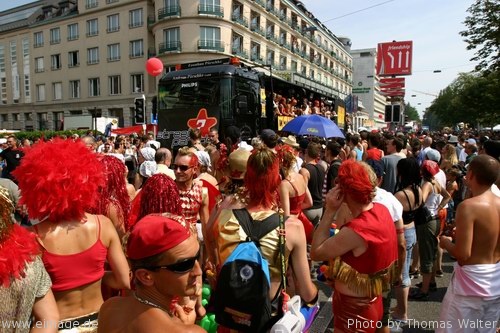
(146, 302)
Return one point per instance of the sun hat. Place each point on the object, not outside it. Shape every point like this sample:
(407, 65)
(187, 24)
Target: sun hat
(291, 141)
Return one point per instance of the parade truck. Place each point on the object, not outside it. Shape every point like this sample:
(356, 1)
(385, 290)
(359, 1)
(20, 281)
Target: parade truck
(216, 94)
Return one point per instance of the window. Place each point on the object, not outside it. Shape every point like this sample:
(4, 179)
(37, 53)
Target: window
(74, 89)
(28, 116)
(294, 66)
(58, 118)
(93, 56)
(39, 65)
(255, 55)
(91, 4)
(73, 59)
(38, 39)
(42, 121)
(237, 44)
(210, 7)
(40, 92)
(55, 36)
(210, 39)
(115, 85)
(92, 27)
(57, 90)
(135, 18)
(282, 63)
(15, 117)
(136, 48)
(55, 62)
(113, 52)
(73, 31)
(113, 23)
(270, 57)
(137, 81)
(171, 38)
(94, 87)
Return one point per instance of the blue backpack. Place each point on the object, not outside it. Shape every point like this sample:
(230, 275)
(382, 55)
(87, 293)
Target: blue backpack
(241, 297)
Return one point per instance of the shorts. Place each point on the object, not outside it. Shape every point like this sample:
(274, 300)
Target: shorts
(356, 314)
(428, 244)
(411, 240)
(82, 324)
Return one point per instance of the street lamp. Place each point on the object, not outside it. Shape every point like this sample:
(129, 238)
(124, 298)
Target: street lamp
(437, 71)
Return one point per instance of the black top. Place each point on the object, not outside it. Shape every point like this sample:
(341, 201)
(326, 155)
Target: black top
(315, 184)
(408, 216)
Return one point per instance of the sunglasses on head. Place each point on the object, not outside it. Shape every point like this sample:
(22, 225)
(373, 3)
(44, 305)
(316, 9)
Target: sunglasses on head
(180, 267)
(181, 167)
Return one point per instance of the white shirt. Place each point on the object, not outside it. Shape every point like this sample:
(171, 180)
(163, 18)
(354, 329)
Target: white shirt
(495, 190)
(440, 177)
(390, 202)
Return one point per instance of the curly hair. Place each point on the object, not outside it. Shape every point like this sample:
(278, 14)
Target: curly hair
(262, 177)
(160, 195)
(59, 180)
(287, 159)
(355, 182)
(115, 189)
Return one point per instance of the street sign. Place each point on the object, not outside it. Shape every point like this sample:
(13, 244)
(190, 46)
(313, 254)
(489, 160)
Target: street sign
(394, 58)
(392, 83)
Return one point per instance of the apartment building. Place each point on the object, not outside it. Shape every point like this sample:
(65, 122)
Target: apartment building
(78, 57)
(366, 87)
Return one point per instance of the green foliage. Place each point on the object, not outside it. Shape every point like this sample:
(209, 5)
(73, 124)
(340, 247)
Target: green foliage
(411, 112)
(472, 98)
(33, 135)
(483, 34)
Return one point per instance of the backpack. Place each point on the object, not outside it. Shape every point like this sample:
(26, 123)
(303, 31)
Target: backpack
(241, 297)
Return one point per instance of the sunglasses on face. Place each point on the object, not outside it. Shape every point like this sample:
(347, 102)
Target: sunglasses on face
(181, 167)
(180, 267)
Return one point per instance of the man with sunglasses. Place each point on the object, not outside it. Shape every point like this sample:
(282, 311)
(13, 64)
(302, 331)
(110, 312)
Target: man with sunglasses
(194, 198)
(163, 256)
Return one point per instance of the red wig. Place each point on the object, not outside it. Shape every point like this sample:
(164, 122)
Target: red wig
(354, 181)
(115, 190)
(18, 246)
(159, 195)
(59, 180)
(262, 177)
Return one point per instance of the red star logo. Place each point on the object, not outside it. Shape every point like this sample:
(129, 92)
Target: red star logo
(203, 122)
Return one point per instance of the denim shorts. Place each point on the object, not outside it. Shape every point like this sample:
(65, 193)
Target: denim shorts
(411, 240)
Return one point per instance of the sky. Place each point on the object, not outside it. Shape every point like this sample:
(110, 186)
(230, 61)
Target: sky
(432, 25)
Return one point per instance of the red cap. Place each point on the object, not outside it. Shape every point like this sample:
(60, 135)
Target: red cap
(431, 167)
(154, 234)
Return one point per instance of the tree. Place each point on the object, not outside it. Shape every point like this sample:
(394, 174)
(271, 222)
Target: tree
(411, 113)
(484, 34)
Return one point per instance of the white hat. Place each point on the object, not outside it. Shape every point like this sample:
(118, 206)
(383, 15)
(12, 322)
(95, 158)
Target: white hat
(291, 141)
(471, 141)
(244, 145)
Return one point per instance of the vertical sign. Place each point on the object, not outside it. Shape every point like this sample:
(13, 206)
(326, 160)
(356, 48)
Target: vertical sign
(394, 58)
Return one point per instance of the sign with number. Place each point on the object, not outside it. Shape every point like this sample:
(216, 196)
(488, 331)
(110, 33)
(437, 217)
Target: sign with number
(394, 58)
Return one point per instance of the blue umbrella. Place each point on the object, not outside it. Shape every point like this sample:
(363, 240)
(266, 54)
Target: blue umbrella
(313, 125)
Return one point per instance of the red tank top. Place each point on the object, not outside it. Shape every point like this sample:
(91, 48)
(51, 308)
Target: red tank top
(296, 201)
(376, 227)
(191, 201)
(69, 271)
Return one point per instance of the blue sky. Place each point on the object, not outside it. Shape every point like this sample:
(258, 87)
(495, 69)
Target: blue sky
(432, 25)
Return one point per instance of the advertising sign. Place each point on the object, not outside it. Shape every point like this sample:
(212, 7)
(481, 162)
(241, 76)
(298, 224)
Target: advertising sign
(394, 58)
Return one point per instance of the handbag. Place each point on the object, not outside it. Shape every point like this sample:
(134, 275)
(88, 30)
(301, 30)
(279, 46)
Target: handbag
(423, 215)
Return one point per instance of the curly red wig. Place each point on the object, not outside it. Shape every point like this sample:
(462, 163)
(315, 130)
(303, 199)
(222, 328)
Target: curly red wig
(262, 177)
(59, 180)
(355, 182)
(115, 189)
(160, 195)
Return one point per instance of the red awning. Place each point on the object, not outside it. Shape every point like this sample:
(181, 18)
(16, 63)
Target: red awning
(138, 129)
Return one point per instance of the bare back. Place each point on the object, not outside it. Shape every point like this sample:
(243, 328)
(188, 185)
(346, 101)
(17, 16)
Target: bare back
(478, 230)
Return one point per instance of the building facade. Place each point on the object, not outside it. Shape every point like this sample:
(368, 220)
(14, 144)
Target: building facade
(78, 57)
(366, 87)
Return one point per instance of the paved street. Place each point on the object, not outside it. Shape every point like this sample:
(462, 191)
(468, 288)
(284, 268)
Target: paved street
(421, 313)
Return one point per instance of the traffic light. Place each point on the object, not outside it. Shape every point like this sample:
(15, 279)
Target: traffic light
(392, 113)
(154, 108)
(139, 110)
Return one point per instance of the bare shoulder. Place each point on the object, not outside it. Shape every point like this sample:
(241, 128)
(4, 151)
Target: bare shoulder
(293, 227)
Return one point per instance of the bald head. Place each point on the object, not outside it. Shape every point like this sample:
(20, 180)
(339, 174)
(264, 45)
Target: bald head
(427, 141)
(163, 156)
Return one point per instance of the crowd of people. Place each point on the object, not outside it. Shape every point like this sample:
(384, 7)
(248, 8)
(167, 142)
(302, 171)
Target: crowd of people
(119, 234)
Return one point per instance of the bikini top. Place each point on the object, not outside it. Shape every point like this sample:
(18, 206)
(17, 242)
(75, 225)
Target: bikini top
(70, 271)
(408, 216)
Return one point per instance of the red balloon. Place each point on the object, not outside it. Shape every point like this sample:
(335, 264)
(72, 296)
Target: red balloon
(154, 66)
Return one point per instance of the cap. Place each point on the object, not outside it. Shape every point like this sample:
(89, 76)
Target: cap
(431, 167)
(155, 234)
(453, 139)
(267, 134)
(433, 155)
(471, 141)
(362, 129)
(291, 141)
(238, 163)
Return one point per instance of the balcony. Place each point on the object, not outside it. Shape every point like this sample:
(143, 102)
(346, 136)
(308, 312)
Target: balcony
(272, 37)
(239, 52)
(215, 10)
(211, 45)
(238, 18)
(258, 29)
(174, 46)
(261, 3)
(169, 11)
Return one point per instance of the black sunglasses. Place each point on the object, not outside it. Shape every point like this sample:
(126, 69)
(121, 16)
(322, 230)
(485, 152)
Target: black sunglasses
(183, 168)
(180, 267)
